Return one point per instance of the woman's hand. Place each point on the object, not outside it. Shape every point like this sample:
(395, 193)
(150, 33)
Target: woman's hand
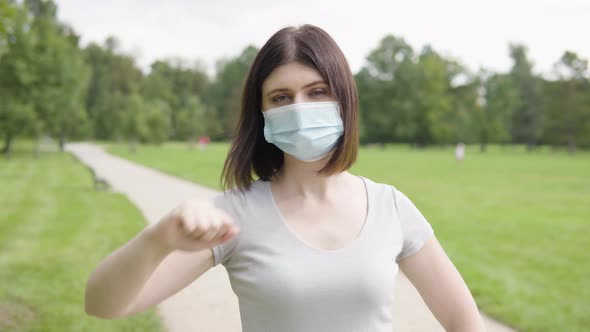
(193, 225)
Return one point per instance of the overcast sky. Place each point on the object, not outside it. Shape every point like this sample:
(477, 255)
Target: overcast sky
(476, 32)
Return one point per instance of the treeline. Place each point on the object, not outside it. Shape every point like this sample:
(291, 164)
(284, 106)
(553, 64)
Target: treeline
(50, 85)
(425, 98)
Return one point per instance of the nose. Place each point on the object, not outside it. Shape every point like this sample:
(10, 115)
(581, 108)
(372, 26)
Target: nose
(300, 97)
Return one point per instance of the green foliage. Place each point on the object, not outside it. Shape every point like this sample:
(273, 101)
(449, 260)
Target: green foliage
(226, 94)
(492, 120)
(157, 121)
(422, 97)
(568, 103)
(114, 77)
(61, 83)
(42, 75)
(406, 97)
(8, 12)
(427, 98)
(191, 121)
(134, 119)
(386, 93)
(528, 117)
(435, 99)
(17, 117)
(179, 86)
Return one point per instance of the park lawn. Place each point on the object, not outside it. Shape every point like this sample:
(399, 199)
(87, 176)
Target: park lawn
(515, 223)
(202, 166)
(54, 230)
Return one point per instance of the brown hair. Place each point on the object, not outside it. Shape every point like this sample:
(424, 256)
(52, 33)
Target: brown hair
(250, 152)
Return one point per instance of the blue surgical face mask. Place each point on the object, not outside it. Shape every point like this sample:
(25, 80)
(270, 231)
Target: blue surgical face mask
(307, 131)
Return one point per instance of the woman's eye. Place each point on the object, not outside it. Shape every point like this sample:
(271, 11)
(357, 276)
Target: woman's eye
(316, 93)
(280, 98)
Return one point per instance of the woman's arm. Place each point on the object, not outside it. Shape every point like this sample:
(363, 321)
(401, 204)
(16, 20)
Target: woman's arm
(443, 289)
(119, 278)
(158, 262)
(140, 275)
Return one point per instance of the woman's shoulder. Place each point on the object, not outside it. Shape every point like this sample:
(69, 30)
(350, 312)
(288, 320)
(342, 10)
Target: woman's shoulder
(379, 187)
(388, 192)
(238, 200)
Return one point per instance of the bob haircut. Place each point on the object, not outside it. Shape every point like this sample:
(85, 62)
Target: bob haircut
(250, 152)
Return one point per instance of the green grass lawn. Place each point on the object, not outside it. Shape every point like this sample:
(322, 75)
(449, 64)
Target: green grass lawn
(54, 229)
(515, 223)
(201, 166)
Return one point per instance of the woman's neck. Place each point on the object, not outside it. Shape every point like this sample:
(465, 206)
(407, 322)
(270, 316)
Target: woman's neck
(300, 178)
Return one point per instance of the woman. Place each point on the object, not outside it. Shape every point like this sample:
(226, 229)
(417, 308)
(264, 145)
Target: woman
(307, 245)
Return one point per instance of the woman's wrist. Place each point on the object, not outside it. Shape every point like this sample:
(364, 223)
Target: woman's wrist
(154, 243)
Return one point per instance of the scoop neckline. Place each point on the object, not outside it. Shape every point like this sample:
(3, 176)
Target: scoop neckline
(349, 246)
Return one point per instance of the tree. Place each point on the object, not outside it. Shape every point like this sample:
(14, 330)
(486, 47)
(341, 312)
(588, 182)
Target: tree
(134, 125)
(62, 88)
(467, 109)
(113, 77)
(440, 119)
(527, 122)
(499, 100)
(60, 73)
(8, 12)
(191, 121)
(409, 98)
(573, 117)
(16, 78)
(386, 93)
(15, 118)
(157, 121)
(226, 93)
(174, 82)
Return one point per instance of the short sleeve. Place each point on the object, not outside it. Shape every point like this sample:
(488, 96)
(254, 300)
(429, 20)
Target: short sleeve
(223, 252)
(415, 228)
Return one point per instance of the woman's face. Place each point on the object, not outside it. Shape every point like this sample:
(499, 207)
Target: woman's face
(294, 83)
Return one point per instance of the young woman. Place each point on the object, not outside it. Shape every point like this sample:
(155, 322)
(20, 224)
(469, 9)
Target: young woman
(307, 245)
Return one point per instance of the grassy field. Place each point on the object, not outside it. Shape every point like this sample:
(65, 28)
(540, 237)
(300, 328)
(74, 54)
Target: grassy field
(54, 229)
(515, 223)
(201, 166)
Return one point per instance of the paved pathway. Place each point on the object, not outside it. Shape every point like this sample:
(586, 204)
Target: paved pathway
(209, 304)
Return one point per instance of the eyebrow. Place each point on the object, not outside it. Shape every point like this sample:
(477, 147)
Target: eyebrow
(305, 86)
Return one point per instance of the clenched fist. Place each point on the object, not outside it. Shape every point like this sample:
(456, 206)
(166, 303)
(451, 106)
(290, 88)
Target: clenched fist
(194, 225)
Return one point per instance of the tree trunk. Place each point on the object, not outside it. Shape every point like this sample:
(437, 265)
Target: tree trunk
(571, 132)
(62, 140)
(132, 146)
(37, 147)
(530, 146)
(7, 149)
(483, 147)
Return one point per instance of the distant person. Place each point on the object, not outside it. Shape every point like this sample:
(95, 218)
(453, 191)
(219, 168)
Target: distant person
(204, 141)
(460, 152)
(307, 245)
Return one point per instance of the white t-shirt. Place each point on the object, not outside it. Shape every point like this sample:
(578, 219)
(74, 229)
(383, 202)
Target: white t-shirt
(284, 284)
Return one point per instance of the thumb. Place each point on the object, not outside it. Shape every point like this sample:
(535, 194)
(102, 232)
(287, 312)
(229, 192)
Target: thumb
(231, 233)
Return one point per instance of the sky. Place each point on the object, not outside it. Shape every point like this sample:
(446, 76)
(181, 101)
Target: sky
(476, 32)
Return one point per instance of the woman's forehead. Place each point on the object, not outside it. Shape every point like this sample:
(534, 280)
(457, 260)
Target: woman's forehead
(291, 75)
